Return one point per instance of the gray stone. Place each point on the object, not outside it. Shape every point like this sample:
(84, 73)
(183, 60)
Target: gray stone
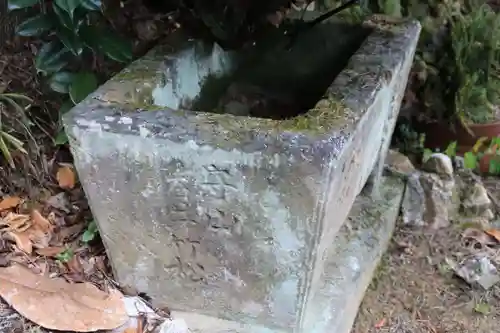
(476, 200)
(399, 163)
(440, 164)
(440, 202)
(430, 199)
(349, 267)
(478, 270)
(413, 205)
(233, 218)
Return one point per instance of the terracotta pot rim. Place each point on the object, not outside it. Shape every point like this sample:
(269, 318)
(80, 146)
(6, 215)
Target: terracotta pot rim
(494, 123)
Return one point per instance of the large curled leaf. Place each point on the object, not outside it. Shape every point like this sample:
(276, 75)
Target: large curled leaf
(94, 5)
(56, 304)
(107, 42)
(70, 40)
(83, 84)
(68, 6)
(35, 26)
(61, 138)
(51, 58)
(64, 18)
(60, 82)
(20, 4)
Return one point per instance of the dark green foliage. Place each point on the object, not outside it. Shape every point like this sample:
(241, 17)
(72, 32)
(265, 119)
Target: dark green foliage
(72, 30)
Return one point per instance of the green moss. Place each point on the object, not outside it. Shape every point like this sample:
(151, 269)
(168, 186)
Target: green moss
(327, 113)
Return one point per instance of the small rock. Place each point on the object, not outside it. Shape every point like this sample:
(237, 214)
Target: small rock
(476, 200)
(399, 162)
(413, 205)
(459, 163)
(440, 164)
(439, 199)
(477, 270)
(488, 214)
(174, 326)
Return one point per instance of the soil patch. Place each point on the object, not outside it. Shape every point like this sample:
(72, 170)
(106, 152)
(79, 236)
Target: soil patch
(414, 291)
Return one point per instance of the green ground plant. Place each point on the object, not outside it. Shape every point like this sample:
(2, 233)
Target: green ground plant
(71, 31)
(13, 107)
(456, 68)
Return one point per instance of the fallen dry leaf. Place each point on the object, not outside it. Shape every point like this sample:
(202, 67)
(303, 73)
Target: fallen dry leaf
(494, 233)
(58, 305)
(15, 222)
(22, 241)
(50, 251)
(41, 222)
(479, 236)
(66, 177)
(9, 202)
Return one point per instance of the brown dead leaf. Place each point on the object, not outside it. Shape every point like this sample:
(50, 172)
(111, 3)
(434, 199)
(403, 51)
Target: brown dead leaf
(58, 305)
(22, 241)
(9, 202)
(478, 235)
(51, 251)
(494, 233)
(74, 265)
(15, 222)
(41, 222)
(131, 330)
(66, 177)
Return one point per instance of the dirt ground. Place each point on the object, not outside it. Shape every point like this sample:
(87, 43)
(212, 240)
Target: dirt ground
(414, 291)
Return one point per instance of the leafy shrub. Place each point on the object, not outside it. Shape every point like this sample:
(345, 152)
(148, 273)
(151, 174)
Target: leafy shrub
(476, 48)
(72, 31)
(456, 69)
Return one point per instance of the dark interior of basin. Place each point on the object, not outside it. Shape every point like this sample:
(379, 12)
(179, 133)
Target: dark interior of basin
(274, 81)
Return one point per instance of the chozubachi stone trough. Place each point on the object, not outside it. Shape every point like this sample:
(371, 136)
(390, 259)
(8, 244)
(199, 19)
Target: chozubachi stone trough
(252, 216)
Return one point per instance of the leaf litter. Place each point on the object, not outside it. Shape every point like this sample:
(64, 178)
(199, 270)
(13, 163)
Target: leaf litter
(47, 257)
(79, 307)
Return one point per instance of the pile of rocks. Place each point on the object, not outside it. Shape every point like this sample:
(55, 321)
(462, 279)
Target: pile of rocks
(443, 191)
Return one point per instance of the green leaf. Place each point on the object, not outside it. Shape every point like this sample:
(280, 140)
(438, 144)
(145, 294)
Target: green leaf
(6, 151)
(88, 236)
(83, 84)
(70, 40)
(482, 308)
(51, 58)
(20, 4)
(427, 154)
(35, 26)
(90, 233)
(68, 6)
(65, 255)
(60, 82)
(94, 5)
(470, 160)
(66, 106)
(63, 17)
(451, 150)
(61, 138)
(107, 42)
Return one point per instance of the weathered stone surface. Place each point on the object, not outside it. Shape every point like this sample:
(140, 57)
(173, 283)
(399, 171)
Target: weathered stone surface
(349, 267)
(430, 199)
(399, 163)
(476, 200)
(440, 164)
(478, 270)
(232, 218)
(413, 205)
